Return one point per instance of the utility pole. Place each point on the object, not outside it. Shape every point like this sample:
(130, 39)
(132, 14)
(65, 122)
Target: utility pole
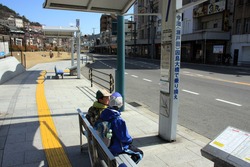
(29, 32)
(131, 34)
(152, 31)
(149, 27)
(134, 50)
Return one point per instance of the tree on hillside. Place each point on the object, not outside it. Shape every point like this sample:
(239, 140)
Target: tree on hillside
(6, 9)
(25, 19)
(5, 12)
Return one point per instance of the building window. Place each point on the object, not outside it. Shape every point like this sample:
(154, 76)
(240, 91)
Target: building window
(215, 25)
(204, 25)
(247, 26)
(238, 26)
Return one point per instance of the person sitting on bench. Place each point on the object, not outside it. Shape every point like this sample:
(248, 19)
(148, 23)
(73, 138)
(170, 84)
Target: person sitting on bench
(98, 106)
(121, 141)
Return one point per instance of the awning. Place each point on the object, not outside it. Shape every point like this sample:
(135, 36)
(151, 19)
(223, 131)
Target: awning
(97, 6)
(53, 31)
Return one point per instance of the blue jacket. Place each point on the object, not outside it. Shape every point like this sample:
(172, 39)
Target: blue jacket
(120, 137)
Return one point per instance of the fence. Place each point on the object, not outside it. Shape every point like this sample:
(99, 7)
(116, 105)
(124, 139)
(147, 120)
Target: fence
(101, 79)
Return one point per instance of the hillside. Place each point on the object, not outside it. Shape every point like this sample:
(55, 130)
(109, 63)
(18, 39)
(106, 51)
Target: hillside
(5, 12)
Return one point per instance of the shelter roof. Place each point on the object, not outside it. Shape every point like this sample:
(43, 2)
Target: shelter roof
(58, 31)
(97, 6)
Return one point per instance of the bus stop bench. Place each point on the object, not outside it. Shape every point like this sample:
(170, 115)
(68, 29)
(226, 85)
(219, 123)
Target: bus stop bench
(58, 72)
(99, 153)
(72, 70)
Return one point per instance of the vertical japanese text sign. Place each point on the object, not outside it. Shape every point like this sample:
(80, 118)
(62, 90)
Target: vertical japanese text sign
(177, 55)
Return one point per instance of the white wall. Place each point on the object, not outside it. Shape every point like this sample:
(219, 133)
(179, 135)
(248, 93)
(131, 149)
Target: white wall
(9, 68)
(187, 21)
(241, 42)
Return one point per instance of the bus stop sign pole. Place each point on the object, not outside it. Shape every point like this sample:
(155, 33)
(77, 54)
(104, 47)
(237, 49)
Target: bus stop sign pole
(170, 69)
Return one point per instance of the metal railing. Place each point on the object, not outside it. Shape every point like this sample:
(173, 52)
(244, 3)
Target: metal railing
(102, 79)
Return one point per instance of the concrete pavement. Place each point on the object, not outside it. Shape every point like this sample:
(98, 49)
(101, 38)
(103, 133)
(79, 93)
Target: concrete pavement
(20, 127)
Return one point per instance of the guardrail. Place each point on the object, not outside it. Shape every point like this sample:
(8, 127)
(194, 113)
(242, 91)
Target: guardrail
(101, 79)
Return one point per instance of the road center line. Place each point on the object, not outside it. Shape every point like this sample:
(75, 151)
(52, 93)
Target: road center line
(190, 92)
(134, 76)
(228, 102)
(148, 80)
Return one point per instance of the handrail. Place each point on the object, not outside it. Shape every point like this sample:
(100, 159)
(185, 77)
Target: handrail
(101, 77)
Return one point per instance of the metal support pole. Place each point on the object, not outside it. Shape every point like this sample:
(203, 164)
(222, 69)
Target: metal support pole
(78, 54)
(78, 38)
(151, 3)
(119, 82)
(72, 51)
(134, 38)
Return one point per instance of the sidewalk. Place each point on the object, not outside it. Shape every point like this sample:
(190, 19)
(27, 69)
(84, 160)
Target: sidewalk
(20, 136)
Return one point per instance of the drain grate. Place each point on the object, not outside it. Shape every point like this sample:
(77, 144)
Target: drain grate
(134, 104)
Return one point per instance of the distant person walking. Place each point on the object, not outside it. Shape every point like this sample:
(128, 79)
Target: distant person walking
(51, 55)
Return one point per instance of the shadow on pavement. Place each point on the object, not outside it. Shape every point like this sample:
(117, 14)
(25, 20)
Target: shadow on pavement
(20, 145)
(148, 141)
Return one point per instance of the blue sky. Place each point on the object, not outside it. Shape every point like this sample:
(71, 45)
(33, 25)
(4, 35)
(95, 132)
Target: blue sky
(34, 11)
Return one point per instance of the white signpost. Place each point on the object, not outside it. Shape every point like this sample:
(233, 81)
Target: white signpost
(170, 65)
(78, 38)
(170, 69)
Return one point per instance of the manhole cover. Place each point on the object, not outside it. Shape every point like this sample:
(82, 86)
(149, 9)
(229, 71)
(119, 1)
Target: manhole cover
(134, 104)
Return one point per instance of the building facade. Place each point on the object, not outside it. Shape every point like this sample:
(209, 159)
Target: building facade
(148, 28)
(240, 48)
(108, 35)
(214, 32)
(206, 36)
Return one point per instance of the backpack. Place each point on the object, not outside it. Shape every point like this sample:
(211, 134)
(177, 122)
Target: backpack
(93, 115)
(104, 131)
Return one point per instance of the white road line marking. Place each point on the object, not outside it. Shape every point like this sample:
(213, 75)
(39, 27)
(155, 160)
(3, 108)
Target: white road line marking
(148, 80)
(188, 74)
(190, 92)
(228, 102)
(134, 76)
(126, 73)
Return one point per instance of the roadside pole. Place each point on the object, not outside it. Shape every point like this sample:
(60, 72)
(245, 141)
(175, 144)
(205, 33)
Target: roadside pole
(119, 75)
(170, 68)
(78, 37)
(72, 51)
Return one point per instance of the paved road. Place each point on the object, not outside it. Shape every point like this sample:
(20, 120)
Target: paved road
(211, 98)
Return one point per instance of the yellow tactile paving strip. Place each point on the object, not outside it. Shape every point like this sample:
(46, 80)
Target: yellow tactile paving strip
(54, 151)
